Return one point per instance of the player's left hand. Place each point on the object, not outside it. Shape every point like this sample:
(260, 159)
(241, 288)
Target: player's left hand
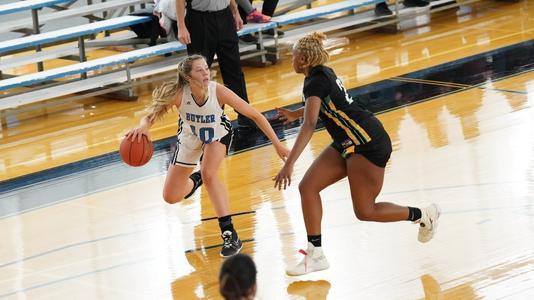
(283, 179)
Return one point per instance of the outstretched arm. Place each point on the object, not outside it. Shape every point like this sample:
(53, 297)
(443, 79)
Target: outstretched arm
(226, 96)
(311, 115)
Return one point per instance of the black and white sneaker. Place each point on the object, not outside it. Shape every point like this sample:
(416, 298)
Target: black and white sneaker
(232, 244)
(197, 182)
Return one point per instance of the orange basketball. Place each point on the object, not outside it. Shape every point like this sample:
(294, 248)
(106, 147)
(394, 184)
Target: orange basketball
(136, 153)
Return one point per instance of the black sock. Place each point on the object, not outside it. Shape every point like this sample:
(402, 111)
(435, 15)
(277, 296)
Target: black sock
(415, 214)
(315, 240)
(225, 223)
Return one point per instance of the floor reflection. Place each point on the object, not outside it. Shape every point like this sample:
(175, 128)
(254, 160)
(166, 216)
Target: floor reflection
(433, 290)
(201, 283)
(309, 289)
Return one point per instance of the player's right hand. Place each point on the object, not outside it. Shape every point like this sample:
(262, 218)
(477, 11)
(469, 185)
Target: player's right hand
(136, 134)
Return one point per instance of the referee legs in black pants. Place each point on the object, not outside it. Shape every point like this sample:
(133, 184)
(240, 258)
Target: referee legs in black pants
(214, 32)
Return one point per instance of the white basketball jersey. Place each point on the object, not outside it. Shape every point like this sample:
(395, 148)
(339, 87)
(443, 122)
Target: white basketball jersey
(207, 121)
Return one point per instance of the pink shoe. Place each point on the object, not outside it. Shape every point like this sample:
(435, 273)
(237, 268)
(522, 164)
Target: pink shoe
(257, 17)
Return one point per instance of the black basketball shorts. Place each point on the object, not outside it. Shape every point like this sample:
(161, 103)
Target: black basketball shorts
(377, 151)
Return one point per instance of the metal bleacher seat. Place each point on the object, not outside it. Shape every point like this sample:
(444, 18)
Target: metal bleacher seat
(68, 51)
(123, 58)
(345, 17)
(124, 76)
(349, 15)
(80, 32)
(34, 6)
(84, 10)
(28, 5)
(33, 96)
(69, 33)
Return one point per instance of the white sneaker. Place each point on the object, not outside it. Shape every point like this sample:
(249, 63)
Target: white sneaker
(314, 260)
(428, 223)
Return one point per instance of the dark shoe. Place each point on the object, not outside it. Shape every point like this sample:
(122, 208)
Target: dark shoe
(271, 32)
(232, 244)
(415, 3)
(197, 182)
(248, 39)
(382, 10)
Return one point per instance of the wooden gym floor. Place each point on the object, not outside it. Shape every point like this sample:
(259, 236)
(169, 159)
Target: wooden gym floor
(456, 97)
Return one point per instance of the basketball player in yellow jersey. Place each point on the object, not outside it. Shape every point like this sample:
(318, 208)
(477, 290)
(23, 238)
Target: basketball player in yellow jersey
(360, 150)
(203, 131)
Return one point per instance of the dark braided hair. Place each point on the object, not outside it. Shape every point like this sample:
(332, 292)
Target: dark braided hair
(237, 277)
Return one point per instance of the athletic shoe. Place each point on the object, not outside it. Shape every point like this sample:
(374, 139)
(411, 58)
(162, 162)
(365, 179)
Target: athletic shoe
(382, 10)
(271, 32)
(314, 260)
(232, 244)
(248, 39)
(257, 17)
(428, 223)
(197, 182)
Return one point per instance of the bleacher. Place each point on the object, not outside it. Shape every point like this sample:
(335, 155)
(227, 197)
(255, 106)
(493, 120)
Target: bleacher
(69, 33)
(124, 76)
(352, 15)
(86, 10)
(28, 5)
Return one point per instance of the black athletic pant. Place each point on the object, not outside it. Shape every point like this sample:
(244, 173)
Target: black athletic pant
(215, 33)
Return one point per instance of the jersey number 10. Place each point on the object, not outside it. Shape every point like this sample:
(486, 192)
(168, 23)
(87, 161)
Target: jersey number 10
(205, 134)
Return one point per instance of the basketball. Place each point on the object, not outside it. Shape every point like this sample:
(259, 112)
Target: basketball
(136, 153)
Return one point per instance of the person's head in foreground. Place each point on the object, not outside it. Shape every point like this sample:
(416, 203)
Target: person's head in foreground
(237, 278)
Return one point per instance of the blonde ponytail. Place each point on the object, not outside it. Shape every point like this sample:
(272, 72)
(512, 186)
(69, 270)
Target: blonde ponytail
(164, 95)
(162, 98)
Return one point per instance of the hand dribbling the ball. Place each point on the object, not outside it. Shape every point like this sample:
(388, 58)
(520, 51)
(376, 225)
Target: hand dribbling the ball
(137, 133)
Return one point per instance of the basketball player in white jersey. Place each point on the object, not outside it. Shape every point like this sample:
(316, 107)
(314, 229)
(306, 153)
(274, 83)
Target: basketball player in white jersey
(204, 131)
